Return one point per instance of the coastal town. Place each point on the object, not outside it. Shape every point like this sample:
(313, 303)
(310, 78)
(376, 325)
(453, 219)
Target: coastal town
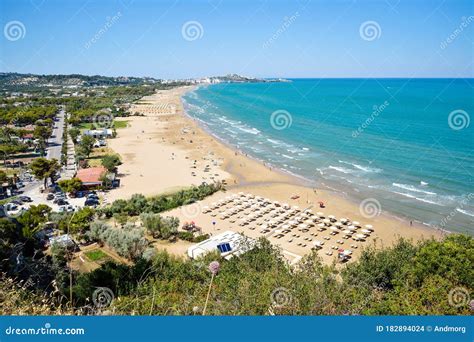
(102, 171)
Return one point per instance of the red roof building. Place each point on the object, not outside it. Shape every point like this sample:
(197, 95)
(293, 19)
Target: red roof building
(91, 176)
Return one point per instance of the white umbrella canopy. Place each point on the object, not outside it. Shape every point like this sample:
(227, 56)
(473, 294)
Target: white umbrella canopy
(365, 231)
(356, 223)
(338, 224)
(296, 207)
(368, 226)
(292, 222)
(318, 243)
(347, 231)
(303, 226)
(285, 226)
(320, 214)
(327, 221)
(334, 228)
(343, 220)
(351, 227)
(321, 225)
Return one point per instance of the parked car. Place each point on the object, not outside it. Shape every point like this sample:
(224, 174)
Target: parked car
(92, 196)
(91, 202)
(20, 185)
(25, 198)
(10, 206)
(17, 201)
(61, 201)
(50, 197)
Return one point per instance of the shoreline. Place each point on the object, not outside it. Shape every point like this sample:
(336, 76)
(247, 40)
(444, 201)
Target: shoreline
(299, 180)
(173, 150)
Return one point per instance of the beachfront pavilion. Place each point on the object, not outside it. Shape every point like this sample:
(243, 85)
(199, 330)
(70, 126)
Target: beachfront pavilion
(228, 244)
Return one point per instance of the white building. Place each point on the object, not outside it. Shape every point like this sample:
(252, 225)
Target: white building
(228, 243)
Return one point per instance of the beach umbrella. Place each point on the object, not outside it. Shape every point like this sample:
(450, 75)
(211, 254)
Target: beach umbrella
(368, 226)
(295, 207)
(334, 228)
(303, 226)
(351, 227)
(320, 214)
(343, 220)
(321, 225)
(326, 221)
(338, 224)
(356, 223)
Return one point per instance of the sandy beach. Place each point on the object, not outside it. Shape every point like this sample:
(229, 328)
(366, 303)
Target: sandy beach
(164, 150)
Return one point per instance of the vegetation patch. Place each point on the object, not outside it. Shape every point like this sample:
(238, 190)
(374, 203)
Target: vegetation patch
(96, 255)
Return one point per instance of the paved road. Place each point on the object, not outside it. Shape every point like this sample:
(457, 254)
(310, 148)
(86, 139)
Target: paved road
(56, 141)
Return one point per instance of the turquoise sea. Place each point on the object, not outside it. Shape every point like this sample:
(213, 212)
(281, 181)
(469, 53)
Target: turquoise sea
(408, 143)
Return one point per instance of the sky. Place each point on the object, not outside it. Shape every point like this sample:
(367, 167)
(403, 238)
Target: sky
(184, 39)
